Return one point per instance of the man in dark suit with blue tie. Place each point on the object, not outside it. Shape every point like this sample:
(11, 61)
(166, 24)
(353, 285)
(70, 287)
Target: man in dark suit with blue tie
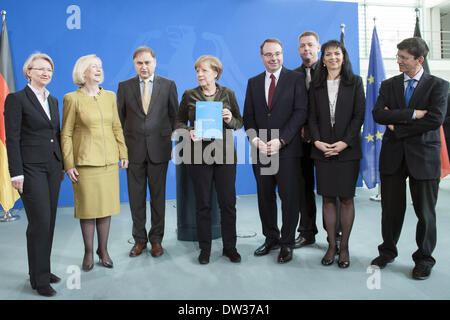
(275, 109)
(412, 105)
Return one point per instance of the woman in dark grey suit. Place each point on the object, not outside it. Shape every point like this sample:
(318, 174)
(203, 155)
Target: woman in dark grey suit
(337, 107)
(34, 158)
(214, 166)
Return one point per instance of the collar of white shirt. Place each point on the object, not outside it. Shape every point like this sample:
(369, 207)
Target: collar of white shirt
(416, 77)
(276, 74)
(151, 78)
(38, 93)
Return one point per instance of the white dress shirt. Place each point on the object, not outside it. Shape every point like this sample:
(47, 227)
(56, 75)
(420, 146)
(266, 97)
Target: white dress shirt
(268, 80)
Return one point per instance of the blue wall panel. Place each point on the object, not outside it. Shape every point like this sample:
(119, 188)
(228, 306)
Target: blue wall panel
(179, 32)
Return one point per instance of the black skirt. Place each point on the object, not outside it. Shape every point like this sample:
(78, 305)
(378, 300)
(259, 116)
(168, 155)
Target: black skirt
(336, 178)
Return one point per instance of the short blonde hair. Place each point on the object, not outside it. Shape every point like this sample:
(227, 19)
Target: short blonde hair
(80, 68)
(214, 62)
(28, 65)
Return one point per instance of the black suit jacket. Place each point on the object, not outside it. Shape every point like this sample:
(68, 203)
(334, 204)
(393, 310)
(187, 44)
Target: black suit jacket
(288, 111)
(349, 117)
(417, 141)
(148, 134)
(447, 124)
(31, 137)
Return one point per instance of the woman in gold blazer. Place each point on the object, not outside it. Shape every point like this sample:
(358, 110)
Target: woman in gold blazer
(92, 144)
(215, 161)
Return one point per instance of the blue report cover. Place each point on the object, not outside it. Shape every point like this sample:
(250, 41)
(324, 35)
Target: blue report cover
(208, 120)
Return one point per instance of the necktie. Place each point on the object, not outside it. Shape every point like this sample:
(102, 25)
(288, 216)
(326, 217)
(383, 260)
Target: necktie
(271, 90)
(308, 77)
(409, 91)
(146, 96)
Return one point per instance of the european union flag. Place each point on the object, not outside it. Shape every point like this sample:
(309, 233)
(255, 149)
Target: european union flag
(372, 132)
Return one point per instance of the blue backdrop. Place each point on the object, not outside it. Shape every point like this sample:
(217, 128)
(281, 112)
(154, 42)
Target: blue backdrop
(179, 32)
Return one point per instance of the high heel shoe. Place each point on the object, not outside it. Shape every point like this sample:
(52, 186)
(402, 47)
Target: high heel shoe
(107, 264)
(87, 267)
(328, 262)
(343, 264)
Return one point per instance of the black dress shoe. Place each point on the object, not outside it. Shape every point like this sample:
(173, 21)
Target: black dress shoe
(265, 249)
(381, 261)
(46, 291)
(232, 254)
(302, 241)
(203, 258)
(285, 255)
(54, 278)
(421, 271)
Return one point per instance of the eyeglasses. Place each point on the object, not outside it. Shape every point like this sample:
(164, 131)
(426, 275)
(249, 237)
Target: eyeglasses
(271, 55)
(42, 69)
(403, 58)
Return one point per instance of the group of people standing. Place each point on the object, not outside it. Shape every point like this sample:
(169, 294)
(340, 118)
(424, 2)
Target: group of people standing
(307, 119)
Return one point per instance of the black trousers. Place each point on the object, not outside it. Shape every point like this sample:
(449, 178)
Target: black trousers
(393, 202)
(138, 176)
(41, 186)
(287, 180)
(308, 211)
(224, 178)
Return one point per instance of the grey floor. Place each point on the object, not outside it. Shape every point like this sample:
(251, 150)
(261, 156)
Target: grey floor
(177, 275)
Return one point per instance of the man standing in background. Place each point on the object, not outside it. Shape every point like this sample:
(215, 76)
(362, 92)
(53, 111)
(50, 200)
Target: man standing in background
(308, 48)
(147, 106)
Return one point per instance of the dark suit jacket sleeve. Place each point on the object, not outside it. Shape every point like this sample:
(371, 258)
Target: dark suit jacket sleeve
(434, 117)
(121, 104)
(312, 117)
(391, 116)
(359, 109)
(173, 104)
(249, 113)
(13, 123)
(236, 121)
(299, 114)
(182, 116)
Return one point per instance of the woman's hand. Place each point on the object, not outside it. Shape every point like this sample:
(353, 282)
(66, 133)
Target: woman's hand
(227, 115)
(193, 138)
(18, 185)
(322, 146)
(123, 164)
(339, 146)
(72, 175)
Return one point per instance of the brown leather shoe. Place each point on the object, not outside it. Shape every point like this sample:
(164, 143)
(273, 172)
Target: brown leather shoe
(157, 249)
(137, 249)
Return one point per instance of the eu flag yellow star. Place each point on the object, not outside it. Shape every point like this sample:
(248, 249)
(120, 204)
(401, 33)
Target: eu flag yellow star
(371, 79)
(369, 137)
(379, 135)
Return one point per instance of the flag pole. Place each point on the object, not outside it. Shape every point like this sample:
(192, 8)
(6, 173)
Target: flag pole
(8, 216)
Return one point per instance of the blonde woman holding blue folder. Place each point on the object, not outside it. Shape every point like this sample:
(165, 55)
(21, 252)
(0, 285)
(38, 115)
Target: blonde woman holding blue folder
(206, 168)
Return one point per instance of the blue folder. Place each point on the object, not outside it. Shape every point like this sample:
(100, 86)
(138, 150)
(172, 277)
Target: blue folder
(208, 120)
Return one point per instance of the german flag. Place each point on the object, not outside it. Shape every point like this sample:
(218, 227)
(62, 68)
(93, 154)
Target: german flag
(8, 195)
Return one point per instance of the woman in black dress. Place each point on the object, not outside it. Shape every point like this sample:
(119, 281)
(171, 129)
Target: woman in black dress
(337, 107)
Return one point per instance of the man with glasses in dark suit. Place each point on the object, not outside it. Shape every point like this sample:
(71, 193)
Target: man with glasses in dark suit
(412, 105)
